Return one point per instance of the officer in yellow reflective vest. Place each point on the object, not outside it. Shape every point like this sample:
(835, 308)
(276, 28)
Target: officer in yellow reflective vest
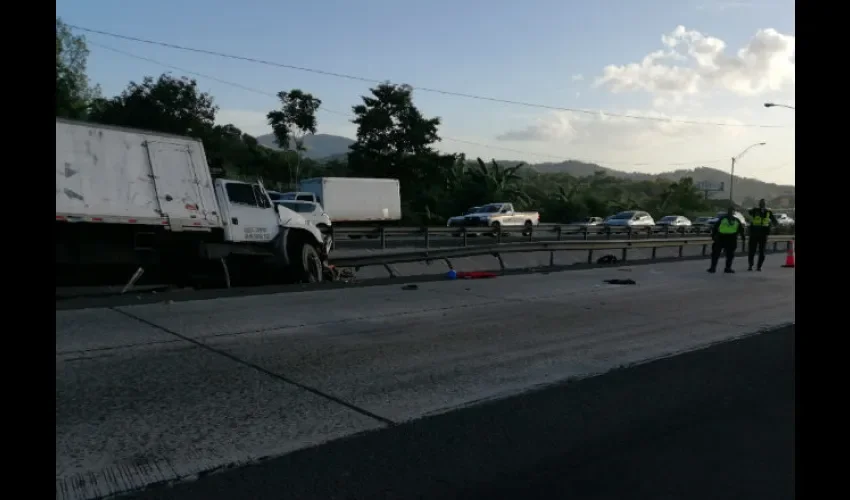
(760, 229)
(725, 235)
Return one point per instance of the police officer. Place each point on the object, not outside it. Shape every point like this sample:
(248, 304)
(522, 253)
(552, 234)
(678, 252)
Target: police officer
(760, 229)
(725, 234)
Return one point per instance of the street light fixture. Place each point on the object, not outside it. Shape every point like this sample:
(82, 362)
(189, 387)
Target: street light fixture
(773, 104)
(734, 160)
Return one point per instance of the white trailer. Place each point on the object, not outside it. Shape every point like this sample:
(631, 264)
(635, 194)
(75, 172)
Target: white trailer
(356, 200)
(146, 199)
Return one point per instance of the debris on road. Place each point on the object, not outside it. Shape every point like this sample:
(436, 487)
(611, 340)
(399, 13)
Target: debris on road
(410, 287)
(621, 282)
(607, 260)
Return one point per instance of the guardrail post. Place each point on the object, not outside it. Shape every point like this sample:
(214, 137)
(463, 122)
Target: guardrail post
(531, 233)
(427, 239)
(653, 253)
(501, 262)
(390, 270)
(465, 240)
(704, 250)
(558, 230)
(607, 232)
(625, 254)
(666, 233)
(552, 258)
(590, 256)
(775, 246)
(681, 250)
(499, 236)
(584, 231)
(629, 232)
(383, 238)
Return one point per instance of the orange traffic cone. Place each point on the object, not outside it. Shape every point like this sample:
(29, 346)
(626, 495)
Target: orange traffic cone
(789, 256)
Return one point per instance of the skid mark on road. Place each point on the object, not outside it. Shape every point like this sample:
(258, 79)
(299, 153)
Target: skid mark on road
(312, 390)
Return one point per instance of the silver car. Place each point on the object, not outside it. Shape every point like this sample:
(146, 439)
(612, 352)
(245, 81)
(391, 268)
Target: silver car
(674, 221)
(631, 218)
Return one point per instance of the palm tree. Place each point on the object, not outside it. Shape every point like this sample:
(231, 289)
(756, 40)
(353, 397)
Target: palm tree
(500, 182)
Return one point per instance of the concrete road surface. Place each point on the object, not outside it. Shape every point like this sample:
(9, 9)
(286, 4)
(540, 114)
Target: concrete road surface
(160, 392)
(709, 424)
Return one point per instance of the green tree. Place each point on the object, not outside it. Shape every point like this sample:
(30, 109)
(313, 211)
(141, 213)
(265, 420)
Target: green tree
(73, 91)
(497, 183)
(292, 122)
(167, 104)
(395, 140)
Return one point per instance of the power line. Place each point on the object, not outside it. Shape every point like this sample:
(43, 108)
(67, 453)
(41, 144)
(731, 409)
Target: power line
(349, 115)
(423, 89)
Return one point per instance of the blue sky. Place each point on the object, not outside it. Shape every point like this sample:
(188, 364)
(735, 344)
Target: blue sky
(528, 51)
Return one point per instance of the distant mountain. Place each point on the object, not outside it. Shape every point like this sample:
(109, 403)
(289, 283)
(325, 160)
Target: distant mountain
(746, 189)
(318, 146)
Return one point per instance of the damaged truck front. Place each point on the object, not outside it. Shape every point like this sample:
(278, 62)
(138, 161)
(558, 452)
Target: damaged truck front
(132, 202)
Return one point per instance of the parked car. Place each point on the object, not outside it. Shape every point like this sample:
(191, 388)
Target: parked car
(784, 219)
(631, 218)
(457, 220)
(738, 215)
(678, 223)
(590, 221)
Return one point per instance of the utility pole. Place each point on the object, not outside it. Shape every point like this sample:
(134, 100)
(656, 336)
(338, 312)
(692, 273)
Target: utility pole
(734, 160)
(732, 181)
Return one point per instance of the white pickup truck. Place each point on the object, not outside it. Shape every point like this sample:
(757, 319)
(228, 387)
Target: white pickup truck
(499, 215)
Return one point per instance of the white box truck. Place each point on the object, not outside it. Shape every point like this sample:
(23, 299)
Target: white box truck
(354, 200)
(135, 199)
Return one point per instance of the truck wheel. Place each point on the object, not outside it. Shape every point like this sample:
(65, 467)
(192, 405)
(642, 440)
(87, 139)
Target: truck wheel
(529, 227)
(497, 229)
(306, 263)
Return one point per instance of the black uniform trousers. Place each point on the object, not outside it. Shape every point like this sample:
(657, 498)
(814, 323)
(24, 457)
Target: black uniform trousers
(727, 243)
(758, 240)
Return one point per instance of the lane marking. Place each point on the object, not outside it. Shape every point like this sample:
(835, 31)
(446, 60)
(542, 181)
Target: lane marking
(311, 390)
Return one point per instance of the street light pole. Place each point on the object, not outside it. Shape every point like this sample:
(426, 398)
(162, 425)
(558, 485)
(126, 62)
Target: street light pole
(735, 160)
(773, 104)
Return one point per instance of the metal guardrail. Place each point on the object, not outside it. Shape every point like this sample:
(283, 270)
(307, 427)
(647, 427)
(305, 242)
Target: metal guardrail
(549, 232)
(386, 259)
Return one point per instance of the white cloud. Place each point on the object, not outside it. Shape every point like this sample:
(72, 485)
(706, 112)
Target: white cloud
(582, 129)
(765, 63)
(578, 77)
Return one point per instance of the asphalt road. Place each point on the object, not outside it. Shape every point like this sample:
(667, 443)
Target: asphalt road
(168, 391)
(709, 424)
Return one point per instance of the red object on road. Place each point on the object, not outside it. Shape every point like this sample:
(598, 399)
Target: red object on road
(472, 275)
